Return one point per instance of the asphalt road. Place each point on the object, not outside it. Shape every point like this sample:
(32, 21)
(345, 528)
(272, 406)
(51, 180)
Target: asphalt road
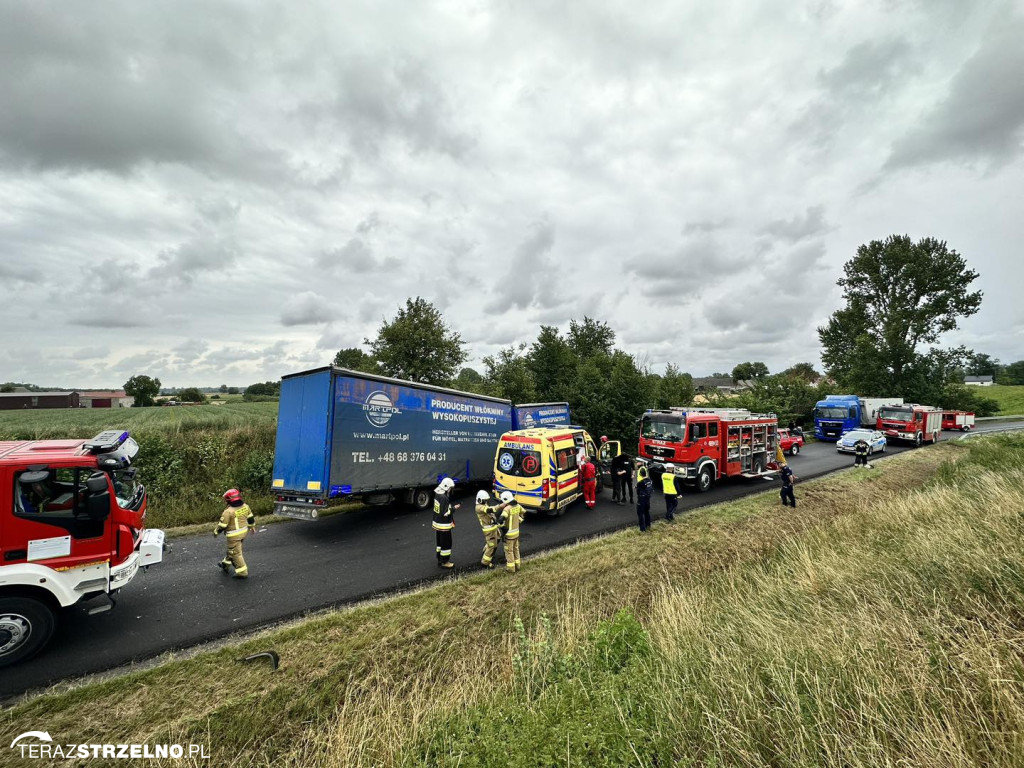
(298, 567)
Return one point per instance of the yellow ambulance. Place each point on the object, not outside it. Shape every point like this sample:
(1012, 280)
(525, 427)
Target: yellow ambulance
(540, 466)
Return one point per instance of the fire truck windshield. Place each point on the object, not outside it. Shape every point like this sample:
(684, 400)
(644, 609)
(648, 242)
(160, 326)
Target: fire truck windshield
(896, 414)
(660, 428)
(127, 488)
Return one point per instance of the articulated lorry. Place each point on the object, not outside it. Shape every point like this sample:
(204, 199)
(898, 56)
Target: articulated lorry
(837, 414)
(346, 434)
(72, 528)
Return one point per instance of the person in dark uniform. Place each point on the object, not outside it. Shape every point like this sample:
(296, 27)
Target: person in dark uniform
(444, 522)
(786, 492)
(860, 454)
(644, 489)
(621, 480)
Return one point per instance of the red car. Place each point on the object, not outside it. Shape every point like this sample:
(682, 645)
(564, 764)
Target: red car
(790, 444)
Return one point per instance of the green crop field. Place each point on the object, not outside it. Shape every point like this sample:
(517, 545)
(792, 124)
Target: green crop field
(86, 422)
(188, 455)
(1010, 398)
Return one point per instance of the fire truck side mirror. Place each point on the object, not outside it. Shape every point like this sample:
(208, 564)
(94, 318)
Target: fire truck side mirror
(97, 497)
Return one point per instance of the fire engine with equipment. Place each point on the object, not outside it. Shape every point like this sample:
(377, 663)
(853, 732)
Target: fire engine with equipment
(72, 528)
(962, 420)
(707, 444)
(911, 423)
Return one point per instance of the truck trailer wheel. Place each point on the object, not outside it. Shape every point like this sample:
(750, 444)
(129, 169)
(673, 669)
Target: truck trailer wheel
(26, 625)
(422, 498)
(705, 479)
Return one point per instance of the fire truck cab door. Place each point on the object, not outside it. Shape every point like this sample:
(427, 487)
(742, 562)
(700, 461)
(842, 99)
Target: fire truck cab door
(704, 437)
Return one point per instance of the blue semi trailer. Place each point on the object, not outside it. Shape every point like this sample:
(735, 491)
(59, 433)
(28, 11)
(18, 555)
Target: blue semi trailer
(541, 415)
(346, 434)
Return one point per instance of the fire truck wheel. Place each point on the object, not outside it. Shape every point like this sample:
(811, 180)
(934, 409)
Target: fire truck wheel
(918, 439)
(25, 627)
(705, 480)
(758, 466)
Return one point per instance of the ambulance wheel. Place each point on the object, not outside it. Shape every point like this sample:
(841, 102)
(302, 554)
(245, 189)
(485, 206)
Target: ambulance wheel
(26, 625)
(705, 479)
(794, 449)
(918, 439)
(422, 498)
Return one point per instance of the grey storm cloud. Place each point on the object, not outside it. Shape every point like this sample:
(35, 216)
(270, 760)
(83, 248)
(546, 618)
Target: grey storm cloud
(982, 116)
(811, 223)
(525, 282)
(229, 192)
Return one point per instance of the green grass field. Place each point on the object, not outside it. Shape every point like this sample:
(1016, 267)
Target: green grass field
(879, 623)
(1010, 399)
(86, 422)
(188, 455)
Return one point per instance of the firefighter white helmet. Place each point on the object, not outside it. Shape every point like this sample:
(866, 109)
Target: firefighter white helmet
(669, 467)
(482, 496)
(506, 497)
(446, 485)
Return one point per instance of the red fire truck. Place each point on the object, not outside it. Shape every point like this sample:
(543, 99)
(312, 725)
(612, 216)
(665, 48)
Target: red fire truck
(911, 423)
(706, 444)
(72, 528)
(962, 420)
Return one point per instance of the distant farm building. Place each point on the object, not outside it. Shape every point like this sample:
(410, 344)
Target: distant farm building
(106, 398)
(13, 401)
(979, 381)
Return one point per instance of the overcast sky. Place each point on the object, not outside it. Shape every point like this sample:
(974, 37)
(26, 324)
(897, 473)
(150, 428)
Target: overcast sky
(229, 192)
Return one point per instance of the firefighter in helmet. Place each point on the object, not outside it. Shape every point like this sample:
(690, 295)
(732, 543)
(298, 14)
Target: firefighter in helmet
(444, 522)
(487, 515)
(235, 522)
(511, 518)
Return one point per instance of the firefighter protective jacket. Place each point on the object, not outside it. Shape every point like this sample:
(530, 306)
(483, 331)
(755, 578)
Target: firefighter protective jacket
(485, 514)
(512, 517)
(443, 520)
(235, 521)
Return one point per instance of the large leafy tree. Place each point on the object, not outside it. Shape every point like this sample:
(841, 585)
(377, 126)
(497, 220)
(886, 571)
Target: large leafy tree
(748, 371)
(1013, 373)
(508, 373)
(553, 364)
(674, 389)
(418, 345)
(356, 359)
(590, 337)
(143, 388)
(899, 295)
(803, 371)
(982, 365)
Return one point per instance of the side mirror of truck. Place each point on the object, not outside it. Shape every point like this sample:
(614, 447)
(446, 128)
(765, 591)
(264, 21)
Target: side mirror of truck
(97, 497)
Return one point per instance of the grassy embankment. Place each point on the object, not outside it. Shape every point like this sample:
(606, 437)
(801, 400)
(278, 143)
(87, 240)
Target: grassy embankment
(188, 455)
(879, 623)
(1010, 398)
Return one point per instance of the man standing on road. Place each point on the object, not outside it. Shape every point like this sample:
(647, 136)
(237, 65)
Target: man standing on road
(235, 522)
(511, 518)
(644, 489)
(444, 522)
(486, 514)
(671, 491)
(588, 476)
(786, 492)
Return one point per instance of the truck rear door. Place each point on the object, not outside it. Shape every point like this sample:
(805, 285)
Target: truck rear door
(302, 451)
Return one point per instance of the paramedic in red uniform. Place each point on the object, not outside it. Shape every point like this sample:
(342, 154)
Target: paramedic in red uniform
(588, 475)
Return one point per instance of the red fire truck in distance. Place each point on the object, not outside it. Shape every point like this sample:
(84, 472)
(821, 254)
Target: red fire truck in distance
(72, 528)
(911, 423)
(962, 420)
(707, 444)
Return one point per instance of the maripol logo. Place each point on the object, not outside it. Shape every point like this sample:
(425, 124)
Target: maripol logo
(379, 409)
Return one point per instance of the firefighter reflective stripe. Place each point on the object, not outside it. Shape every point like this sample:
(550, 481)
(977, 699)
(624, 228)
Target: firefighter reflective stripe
(668, 484)
(235, 520)
(490, 528)
(443, 526)
(233, 534)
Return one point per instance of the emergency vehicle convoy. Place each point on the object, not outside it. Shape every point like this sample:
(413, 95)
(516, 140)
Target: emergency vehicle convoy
(962, 420)
(703, 445)
(540, 467)
(72, 528)
(911, 423)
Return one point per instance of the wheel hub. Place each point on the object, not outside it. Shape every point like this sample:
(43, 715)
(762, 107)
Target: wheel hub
(14, 630)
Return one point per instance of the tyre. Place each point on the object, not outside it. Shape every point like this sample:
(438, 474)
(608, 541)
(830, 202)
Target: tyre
(918, 439)
(705, 479)
(422, 498)
(758, 466)
(871, 450)
(26, 625)
(794, 449)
